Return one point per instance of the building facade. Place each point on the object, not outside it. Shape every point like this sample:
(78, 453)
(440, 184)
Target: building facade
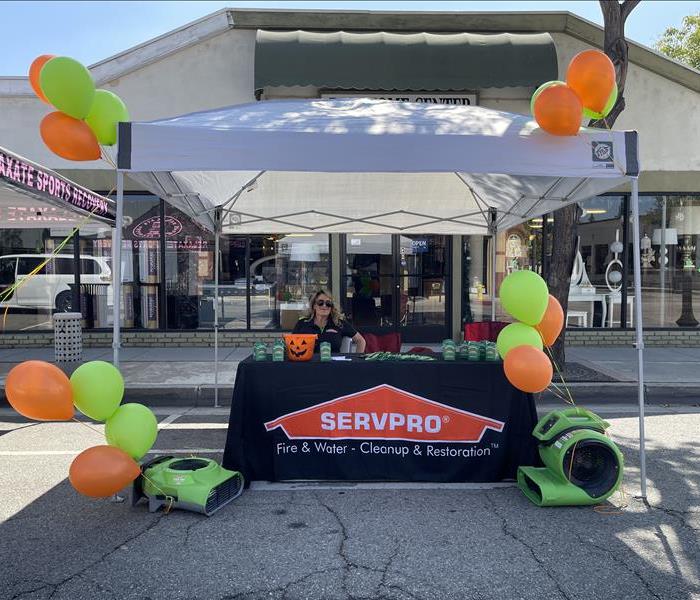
(424, 286)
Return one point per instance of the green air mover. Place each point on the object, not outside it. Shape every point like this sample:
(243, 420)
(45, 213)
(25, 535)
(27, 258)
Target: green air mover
(582, 465)
(196, 484)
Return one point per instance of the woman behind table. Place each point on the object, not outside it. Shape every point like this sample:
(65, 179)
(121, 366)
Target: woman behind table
(325, 320)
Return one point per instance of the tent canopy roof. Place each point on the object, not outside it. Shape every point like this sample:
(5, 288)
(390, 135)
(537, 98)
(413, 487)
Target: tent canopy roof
(361, 165)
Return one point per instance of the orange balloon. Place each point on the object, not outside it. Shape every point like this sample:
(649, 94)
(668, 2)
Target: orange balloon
(528, 369)
(69, 138)
(39, 390)
(102, 471)
(591, 74)
(35, 71)
(558, 110)
(552, 323)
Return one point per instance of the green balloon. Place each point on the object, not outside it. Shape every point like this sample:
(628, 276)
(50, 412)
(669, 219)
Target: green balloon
(524, 296)
(107, 110)
(133, 428)
(517, 334)
(608, 106)
(68, 86)
(98, 388)
(539, 90)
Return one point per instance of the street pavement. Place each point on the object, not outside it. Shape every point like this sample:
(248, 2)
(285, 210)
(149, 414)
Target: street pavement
(328, 541)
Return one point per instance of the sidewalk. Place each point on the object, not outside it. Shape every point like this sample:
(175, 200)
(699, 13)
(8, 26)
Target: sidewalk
(166, 376)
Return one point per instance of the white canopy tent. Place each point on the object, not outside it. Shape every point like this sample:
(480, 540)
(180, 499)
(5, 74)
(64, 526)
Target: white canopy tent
(373, 166)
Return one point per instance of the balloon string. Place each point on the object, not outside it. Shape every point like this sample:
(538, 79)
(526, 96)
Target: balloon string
(7, 293)
(561, 376)
(88, 426)
(106, 157)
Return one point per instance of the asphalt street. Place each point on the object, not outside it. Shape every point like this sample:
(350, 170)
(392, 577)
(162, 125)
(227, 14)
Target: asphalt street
(393, 541)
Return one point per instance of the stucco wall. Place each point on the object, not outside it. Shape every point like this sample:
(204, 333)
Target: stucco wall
(214, 73)
(666, 114)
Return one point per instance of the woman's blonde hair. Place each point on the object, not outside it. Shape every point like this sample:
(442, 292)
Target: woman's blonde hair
(336, 316)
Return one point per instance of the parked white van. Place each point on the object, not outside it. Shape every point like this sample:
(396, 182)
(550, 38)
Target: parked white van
(49, 288)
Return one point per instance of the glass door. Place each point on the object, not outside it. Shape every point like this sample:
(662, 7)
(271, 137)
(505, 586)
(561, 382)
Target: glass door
(368, 299)
(424, 298)
(398, 283)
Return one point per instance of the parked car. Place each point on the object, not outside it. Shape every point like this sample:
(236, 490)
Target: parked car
(50, 287)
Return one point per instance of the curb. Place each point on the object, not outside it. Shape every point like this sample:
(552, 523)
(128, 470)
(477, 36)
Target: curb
(202, 395)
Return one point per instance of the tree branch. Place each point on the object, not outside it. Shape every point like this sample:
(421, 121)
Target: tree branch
(626, 8)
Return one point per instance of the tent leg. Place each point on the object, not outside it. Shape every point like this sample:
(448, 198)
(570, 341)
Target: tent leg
(639, 333)
(494, 241)
(217, 232)
(117, 270)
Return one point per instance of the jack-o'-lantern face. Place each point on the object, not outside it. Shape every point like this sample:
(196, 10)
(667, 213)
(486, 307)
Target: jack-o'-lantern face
(300, 346)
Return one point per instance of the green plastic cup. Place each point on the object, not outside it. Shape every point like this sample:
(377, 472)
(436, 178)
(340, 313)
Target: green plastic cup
(260, 351)
(325, 351)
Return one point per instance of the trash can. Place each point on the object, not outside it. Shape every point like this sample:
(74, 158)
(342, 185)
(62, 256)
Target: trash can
(68, 337)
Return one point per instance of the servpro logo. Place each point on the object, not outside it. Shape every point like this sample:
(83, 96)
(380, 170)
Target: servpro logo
(384, 413)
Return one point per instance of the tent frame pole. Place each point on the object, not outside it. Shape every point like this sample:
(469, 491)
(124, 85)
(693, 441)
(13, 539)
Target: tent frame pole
(117, 270)
(493, 227)
(639, 333)
(217, 234)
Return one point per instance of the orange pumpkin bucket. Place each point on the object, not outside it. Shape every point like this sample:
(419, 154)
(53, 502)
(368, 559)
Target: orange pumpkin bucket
(300, 346)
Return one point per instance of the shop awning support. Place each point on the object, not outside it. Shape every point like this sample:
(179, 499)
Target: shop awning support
(117, 268)
(639, 331)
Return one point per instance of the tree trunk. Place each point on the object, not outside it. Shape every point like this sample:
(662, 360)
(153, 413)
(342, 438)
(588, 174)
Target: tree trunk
(564, 231)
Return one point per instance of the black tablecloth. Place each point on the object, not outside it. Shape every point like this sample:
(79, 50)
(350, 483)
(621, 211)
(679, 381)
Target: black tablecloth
(365, 420)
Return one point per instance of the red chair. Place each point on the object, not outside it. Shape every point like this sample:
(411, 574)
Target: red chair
(420, 350)
(389, 342)
(483, 331)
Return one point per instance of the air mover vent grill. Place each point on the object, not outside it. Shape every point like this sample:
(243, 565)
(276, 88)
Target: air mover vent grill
(592, 466)
(188, 464)
(223, 494)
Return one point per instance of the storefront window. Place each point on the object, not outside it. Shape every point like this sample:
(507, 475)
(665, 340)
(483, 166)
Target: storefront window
(595, 295)
(189, 271)
(669, 231)
(31, 305)
(298, 266)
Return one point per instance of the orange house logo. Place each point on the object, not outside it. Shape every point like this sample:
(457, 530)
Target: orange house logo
(384, 413)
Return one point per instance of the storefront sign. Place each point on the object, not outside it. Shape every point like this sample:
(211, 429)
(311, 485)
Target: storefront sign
(51, 187)
(423, 97)
(149, 229)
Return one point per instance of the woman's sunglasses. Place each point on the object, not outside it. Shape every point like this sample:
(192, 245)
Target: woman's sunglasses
(327, 303)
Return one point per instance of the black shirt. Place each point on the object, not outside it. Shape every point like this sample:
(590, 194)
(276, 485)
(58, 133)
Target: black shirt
(332, 333)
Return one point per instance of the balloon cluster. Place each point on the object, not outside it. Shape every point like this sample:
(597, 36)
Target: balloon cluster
(85, 117)
(524, 295)
(41, 391)
(590, 90)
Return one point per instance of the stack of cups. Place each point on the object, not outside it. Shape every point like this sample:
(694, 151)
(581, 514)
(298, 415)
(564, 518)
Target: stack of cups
(259, 351)
(449, 350)
(474, 351)
(278, 351)
(491, 352)
(325, 351)
(463, 351)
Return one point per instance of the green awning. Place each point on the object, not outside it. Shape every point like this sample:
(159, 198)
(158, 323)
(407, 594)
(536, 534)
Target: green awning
(398, 61)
